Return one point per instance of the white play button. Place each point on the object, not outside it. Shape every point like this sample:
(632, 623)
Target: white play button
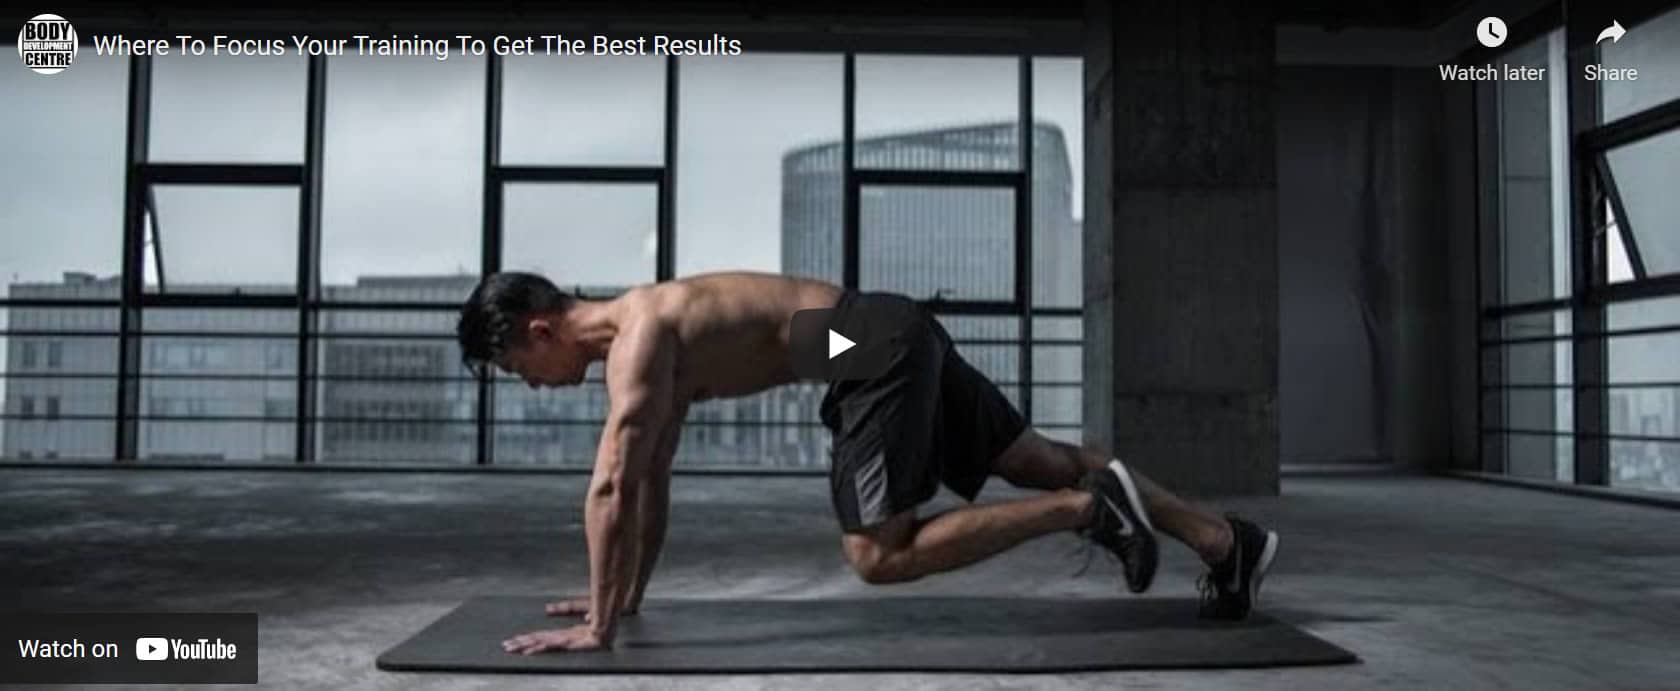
(151, 648)
(838, 344)
(817, 350)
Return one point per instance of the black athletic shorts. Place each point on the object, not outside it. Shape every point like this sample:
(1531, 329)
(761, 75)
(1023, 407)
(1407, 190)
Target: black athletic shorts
(930, 419)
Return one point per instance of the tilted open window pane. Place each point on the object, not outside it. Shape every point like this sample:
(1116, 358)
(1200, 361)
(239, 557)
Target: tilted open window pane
(1644, 172)
(222, 239)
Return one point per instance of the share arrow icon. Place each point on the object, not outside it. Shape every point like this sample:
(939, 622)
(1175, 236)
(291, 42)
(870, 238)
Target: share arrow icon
(1614, 33)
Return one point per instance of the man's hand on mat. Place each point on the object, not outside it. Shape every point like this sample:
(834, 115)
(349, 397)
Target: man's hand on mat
(578, 638)
(580, 605)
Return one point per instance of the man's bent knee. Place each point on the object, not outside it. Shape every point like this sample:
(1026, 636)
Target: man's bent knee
(881, 554)
(878, 567)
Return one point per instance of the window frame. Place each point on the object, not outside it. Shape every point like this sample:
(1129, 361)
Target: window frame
(1592, 191)
(143, 241)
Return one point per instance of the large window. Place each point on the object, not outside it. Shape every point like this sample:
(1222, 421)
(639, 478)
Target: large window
(600, 237)
(1651, 47)
(916, 112)
(1648, 241)
(1633, 190)
(1528, 364)
(63, 410)
(955, 243)
(61, 202)
(748, 196)
(1058, 181)
(261, 332)
(390, 387)
(403, 172)
(62, 212)
(583, 110)
(208, 390)
(1531, 409)
(1533, 235)
(552, 427)
(1058, 250)
(581, 178)
(1580, 382)
(950, 198)
(227, 109)
(1644, 393)
(222, 238)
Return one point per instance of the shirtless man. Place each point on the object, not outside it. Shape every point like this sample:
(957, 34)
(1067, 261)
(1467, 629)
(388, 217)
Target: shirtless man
(930, 419)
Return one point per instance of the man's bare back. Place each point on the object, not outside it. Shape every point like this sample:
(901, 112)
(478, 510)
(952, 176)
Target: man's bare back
(731, 329)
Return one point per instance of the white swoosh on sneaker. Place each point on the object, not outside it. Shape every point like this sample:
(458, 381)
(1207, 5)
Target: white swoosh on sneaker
(1126, 529)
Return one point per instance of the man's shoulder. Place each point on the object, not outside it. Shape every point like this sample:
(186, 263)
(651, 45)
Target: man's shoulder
(649, 323)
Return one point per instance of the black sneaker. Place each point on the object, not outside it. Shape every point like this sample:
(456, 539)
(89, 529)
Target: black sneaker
(1120, 523)
(1230, 589)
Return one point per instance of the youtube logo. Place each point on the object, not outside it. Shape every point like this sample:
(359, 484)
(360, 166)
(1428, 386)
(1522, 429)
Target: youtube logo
(169, 648)
(151, 649)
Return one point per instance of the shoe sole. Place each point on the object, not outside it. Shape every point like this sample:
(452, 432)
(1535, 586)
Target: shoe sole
(1260, 568)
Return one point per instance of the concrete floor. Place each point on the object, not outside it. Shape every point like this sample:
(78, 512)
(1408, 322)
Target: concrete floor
(1435, 583)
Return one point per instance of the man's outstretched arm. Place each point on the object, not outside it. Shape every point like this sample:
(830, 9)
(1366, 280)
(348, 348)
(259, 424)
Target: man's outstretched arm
(654, 508)
(651, 517)
(640, 382)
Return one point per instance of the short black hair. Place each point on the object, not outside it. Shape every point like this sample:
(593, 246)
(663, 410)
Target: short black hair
(492, 313)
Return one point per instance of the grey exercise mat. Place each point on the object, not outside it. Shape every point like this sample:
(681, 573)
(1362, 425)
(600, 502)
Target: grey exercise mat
(871, 635)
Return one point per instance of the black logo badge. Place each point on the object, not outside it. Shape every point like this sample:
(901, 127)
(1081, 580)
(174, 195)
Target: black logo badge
(47, 44)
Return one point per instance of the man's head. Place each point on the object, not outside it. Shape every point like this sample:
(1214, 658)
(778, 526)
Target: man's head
(515, 321)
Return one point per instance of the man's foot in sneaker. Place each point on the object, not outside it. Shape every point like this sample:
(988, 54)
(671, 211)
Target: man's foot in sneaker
(1120, 523)
(1231, 587)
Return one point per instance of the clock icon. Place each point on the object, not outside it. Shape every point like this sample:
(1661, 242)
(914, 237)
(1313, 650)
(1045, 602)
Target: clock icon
(1491, 31)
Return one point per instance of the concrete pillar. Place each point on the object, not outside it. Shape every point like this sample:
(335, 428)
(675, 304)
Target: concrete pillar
(1180, 238)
